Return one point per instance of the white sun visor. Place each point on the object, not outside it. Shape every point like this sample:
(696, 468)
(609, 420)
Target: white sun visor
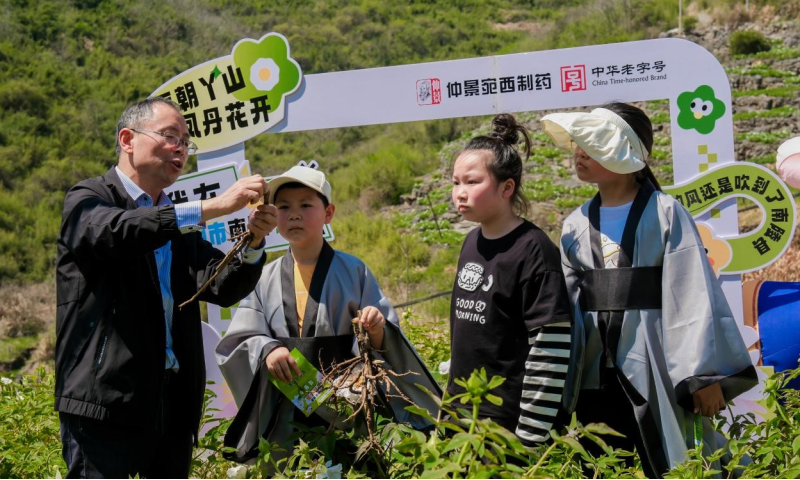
(602, 134)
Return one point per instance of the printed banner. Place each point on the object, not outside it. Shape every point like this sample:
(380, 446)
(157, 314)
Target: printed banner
(229, 99)
(757, 248)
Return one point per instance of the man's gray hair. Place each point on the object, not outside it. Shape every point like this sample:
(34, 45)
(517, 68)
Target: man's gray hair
(138, 113)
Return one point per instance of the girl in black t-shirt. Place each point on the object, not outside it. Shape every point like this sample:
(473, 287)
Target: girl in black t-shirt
(510, 312)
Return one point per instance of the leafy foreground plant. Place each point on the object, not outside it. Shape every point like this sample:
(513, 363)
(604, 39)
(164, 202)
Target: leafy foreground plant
(30, 444)
(770, 449)
(460, 445)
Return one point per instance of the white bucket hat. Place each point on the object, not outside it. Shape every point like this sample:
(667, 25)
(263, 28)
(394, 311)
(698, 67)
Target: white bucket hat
(313, 179)
(602, 134)
(788, 162)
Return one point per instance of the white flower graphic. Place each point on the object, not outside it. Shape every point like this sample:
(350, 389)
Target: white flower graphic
(265, 74)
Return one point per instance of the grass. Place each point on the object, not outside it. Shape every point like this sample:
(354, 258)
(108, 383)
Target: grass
(768, 138)
(547, 152)
(762, 70)
(565, 197)
(763, 159)
(662, 140)
(778, 52)
(12, 348)
(780, 112)
(660, 154)
(659, 117)
(787, 91)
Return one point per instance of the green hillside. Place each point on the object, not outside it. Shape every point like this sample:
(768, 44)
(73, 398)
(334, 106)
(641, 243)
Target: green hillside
(70, 67)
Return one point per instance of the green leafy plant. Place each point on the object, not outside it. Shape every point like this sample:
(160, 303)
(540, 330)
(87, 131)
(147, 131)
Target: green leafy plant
(30, 445)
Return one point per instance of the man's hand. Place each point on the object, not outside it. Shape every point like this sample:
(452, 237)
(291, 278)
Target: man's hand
(262, 221)
(373, 320)
(235, 198)
(709, 401)
(281, 364)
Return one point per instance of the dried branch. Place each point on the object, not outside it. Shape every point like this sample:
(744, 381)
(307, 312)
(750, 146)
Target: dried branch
(243, 239)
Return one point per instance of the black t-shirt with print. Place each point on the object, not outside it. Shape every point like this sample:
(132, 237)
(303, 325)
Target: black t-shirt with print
(504, 288)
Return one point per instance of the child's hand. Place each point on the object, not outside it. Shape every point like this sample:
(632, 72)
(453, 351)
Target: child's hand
(709, 401)
(372, 319)
(281, 364)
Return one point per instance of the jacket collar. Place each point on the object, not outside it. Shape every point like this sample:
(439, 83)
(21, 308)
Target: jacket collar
(121, 197)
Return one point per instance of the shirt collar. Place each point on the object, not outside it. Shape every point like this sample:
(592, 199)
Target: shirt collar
(136, 193)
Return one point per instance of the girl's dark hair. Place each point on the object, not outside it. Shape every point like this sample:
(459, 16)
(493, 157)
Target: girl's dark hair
(643, 128)
(505, 162)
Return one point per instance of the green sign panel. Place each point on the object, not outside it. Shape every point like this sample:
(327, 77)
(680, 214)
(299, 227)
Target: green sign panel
(761, 246)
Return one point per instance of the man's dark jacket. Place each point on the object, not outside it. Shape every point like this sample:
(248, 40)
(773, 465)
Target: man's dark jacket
(110, 346)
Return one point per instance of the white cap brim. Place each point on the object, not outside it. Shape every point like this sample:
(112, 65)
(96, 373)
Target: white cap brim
(608, 140)
(313, 179)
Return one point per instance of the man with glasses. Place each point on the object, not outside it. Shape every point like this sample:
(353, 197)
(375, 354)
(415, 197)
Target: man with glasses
(130, 377)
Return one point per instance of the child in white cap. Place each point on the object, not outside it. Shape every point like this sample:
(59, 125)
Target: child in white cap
(307, 300)
(662, 349)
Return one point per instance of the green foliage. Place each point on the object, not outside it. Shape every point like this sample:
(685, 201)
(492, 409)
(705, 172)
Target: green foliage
(748, 42)
(207, 460)
(787, 91)
(763, 159)
(460, 446)
(30, 445)
(689, 23)
(763, 70)
(770, 449)
(780, 112)
(431, 340)
(777, 52)
(763, 137)
(11, 348)
(659, 117)
(564, 197)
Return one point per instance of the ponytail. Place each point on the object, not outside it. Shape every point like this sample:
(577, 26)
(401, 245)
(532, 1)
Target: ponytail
(647, 174)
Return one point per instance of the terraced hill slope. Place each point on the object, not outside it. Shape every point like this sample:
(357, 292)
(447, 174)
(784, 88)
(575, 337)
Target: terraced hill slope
(412, 247)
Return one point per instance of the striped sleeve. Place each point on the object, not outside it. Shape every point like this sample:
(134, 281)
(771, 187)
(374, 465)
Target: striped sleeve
(543, 385)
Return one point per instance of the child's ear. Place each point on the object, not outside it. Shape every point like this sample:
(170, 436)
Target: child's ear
(508, 188)
(329, 212)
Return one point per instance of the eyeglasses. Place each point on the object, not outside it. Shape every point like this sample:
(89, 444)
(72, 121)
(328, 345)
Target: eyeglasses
(173, 140)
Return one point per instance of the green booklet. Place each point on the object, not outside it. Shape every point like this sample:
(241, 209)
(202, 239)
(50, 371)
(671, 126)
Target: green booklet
(307, 391)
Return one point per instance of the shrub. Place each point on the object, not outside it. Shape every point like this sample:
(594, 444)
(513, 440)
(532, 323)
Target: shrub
(689, 23)
(748, 42)
(26, 311)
